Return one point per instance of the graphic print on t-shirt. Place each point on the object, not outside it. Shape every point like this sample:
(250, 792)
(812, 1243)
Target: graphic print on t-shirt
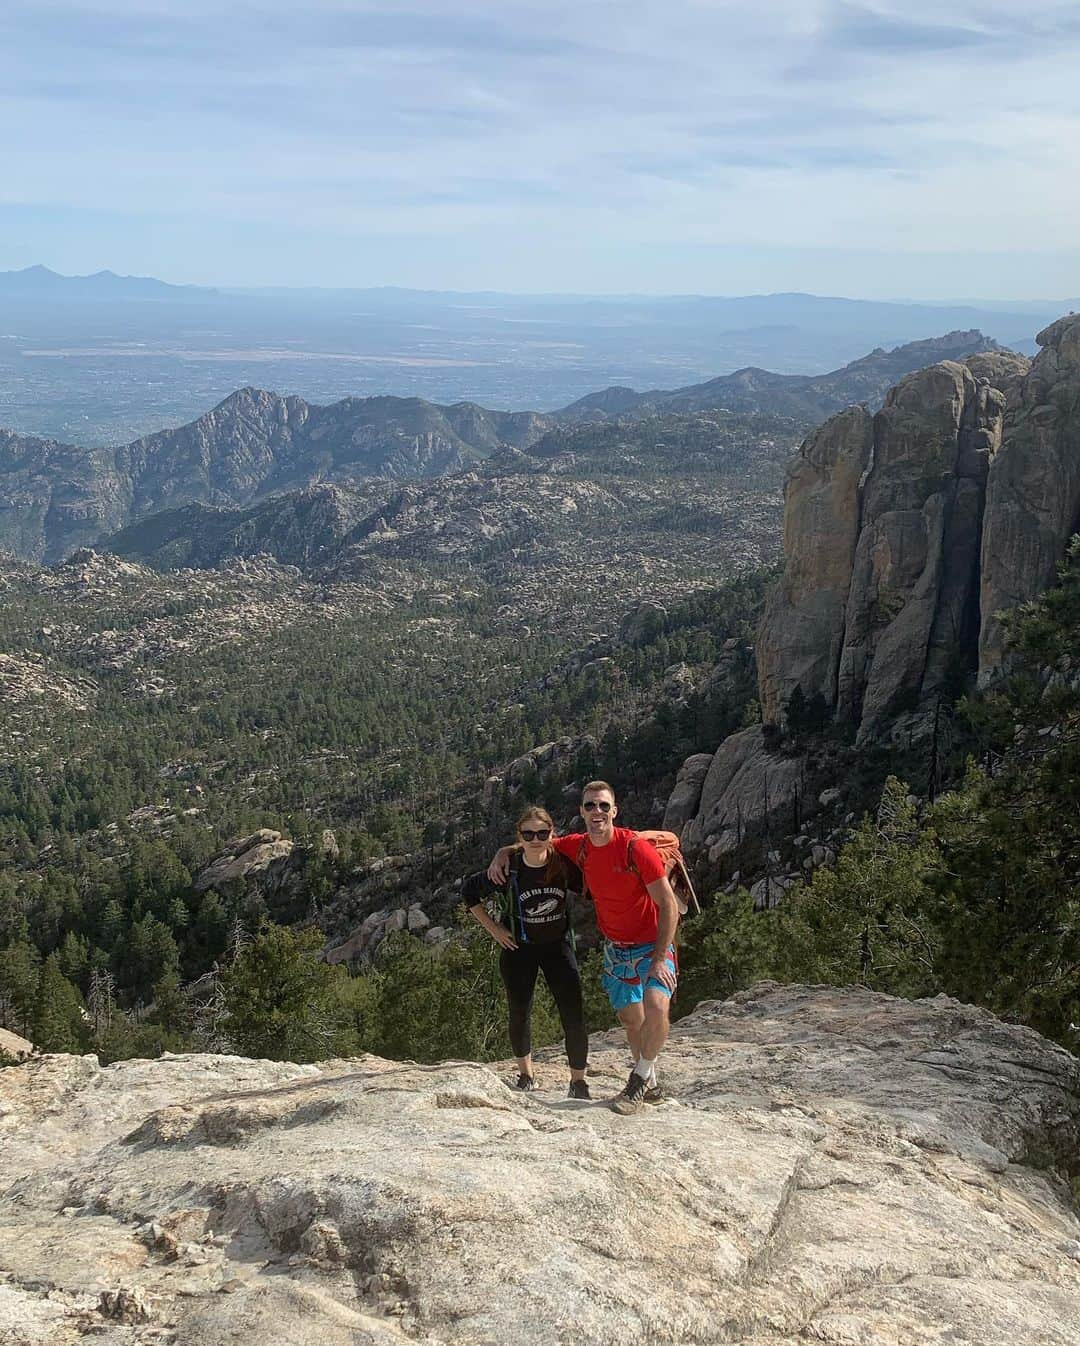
(539, 909)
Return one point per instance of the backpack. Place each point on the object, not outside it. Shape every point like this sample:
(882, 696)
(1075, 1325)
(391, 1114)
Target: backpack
(675, 871)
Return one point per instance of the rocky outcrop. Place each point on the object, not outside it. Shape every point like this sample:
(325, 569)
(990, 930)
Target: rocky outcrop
(558, 754)
(684, 799)
(897, 534)
(803, 628)
(904, 534)
(1033, 494)
(243, 859)
(374, 928)
(915, 566)
(746, 790)
(838, 1167)
(13, 1047)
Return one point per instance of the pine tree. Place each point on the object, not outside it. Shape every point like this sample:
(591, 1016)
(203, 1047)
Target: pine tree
(20, 972)
(58, 1024)
(280, 1001)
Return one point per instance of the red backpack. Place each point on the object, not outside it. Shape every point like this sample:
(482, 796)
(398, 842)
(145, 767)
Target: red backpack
(675, 871)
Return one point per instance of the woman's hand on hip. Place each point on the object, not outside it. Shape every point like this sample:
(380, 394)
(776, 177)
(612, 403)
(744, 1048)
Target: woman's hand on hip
(503, 936)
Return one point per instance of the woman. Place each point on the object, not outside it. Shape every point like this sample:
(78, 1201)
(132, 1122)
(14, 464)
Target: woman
(535, 937)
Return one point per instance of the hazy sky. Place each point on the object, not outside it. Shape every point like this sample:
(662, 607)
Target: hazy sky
(877, 149)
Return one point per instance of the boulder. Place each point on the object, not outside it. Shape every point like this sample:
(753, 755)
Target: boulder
(243, 858)
(837, 1167)
(747, 790)
(770, 889)
(361, 940)
(397, 920)
(1004, 370)
(642, 623)
(683, 801)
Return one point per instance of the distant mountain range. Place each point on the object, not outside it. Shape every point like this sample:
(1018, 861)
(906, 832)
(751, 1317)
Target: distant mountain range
(805, 397)
(38, 282)
(255, 444)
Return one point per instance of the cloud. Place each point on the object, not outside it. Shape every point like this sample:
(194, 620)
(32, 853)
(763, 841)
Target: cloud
(863, 28)
(610, 126)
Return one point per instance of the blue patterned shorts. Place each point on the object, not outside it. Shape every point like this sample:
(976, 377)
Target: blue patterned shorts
(625, 966)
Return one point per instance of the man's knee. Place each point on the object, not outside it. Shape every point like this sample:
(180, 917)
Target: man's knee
(657, 1005)
(632, 1016)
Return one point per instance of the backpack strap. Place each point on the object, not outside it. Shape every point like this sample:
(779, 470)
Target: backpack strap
(630, 854)
(514, 910)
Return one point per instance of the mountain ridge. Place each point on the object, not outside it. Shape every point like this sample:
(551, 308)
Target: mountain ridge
(815, 396)
(42, 282)
(57, 497)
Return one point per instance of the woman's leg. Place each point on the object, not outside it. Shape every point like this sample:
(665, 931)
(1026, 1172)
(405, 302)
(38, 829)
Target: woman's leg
(518, 968)
(561, 974)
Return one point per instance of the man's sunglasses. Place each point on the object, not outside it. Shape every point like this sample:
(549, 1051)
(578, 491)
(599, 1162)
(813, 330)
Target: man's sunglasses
(604, 805)
(534, 834)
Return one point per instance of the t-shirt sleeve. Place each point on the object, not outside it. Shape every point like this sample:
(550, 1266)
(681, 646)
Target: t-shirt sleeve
(570, 845)
(647, 861)
(477, 888)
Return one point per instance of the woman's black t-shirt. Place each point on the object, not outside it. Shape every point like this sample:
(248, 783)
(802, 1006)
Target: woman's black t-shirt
(538, 906)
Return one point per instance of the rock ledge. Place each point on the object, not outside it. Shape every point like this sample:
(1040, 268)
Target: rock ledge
(839, 1167)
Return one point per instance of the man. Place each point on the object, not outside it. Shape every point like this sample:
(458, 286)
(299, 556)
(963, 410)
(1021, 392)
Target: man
(637, 913)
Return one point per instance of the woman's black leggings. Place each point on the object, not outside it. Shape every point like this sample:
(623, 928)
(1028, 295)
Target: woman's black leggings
(559, 965)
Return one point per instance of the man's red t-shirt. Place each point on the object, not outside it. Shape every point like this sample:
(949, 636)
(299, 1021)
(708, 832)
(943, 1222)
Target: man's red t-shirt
(625, 912)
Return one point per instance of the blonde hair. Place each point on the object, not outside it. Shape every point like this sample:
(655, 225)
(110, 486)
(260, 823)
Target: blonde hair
(595, 785)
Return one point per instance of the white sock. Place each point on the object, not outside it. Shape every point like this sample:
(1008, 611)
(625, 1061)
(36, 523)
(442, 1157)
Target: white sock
(646, 1068)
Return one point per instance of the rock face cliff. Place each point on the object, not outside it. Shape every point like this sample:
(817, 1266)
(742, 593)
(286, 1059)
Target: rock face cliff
(906, 534)
(839, 1167)
(1033, 493)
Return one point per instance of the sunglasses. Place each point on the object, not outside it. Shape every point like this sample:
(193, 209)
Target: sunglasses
(534, 834)
(604, 805)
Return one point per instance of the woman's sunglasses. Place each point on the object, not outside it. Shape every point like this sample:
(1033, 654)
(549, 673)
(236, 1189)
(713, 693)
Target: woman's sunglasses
(537, 834)
(604, 805)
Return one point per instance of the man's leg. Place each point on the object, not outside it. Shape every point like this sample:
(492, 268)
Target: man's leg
(656, 1024)
(653, 1022)
(632, 1018)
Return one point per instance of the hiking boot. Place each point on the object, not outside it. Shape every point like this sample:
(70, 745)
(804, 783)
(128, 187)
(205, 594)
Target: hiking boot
(525, 1083)
(654, 1093)
(579, 1089)
(632, 1098)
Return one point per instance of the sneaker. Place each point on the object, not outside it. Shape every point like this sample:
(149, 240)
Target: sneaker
(579, 1089)
(654, 1093)
(632, 1098)
(525, 1083)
